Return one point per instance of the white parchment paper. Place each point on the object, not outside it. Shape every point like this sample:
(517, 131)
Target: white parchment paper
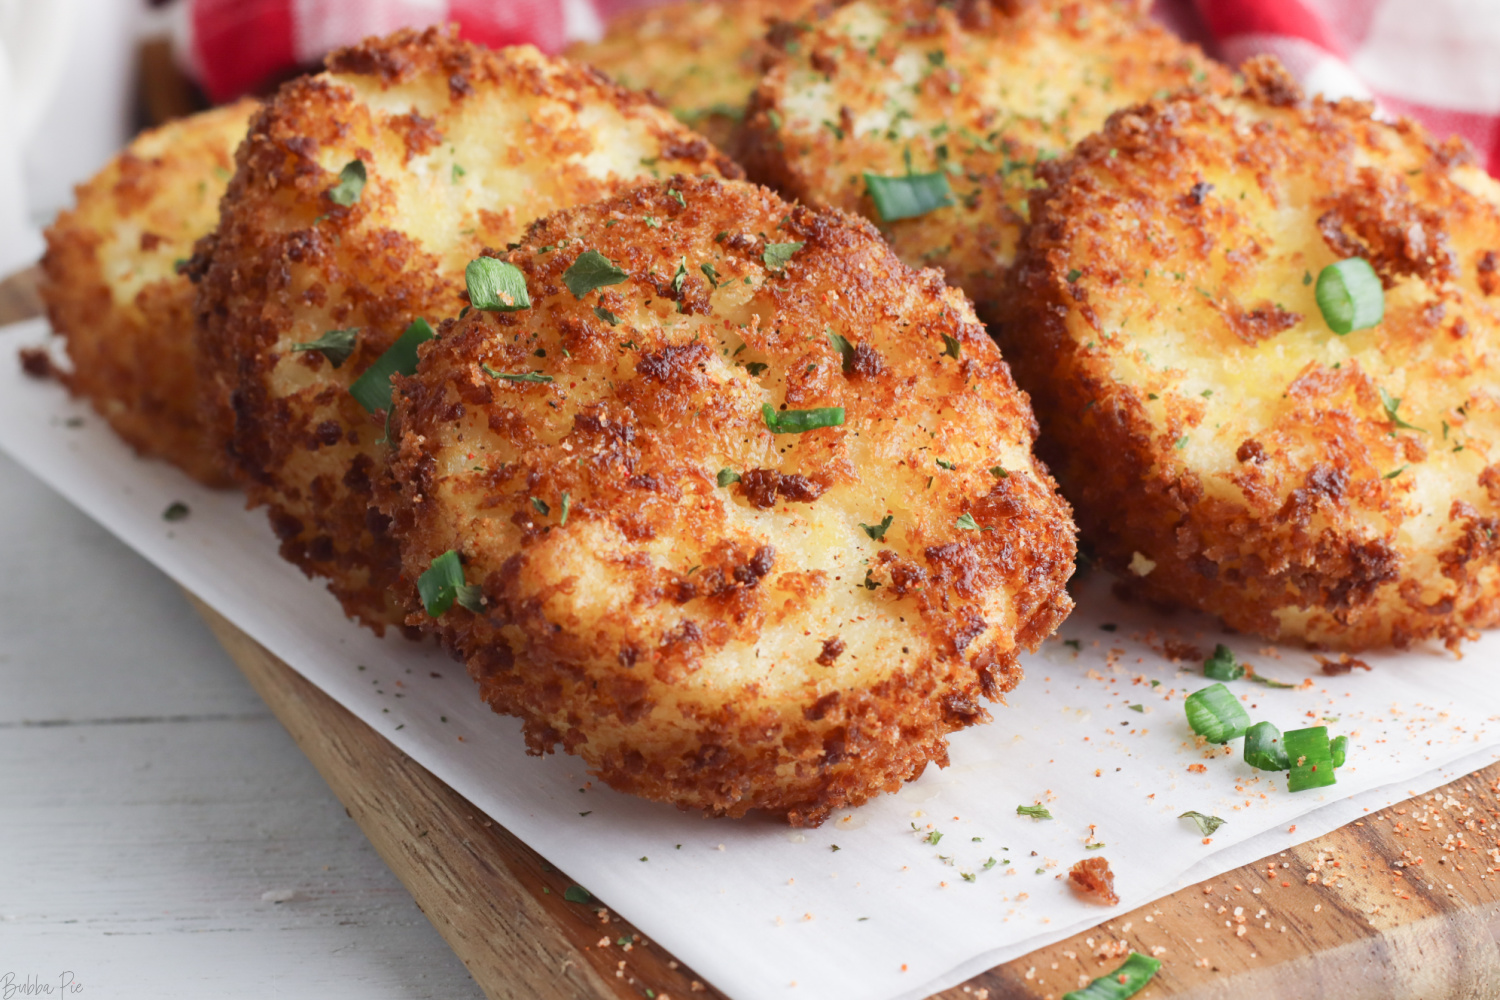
(764, 911)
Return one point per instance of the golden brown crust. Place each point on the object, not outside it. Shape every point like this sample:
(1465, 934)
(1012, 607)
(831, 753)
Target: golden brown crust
(745, 645)
(112, 291)
(1199, 411)
(979, 91)
(463, 147)
(699, 58)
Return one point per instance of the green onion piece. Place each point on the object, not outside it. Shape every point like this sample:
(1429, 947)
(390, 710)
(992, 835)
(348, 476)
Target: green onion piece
(1264, 749)
(607, 316)
(877, 531)
(710, 274)
(727, 477)
(998, 471)
(176, 511)
(1338, 749)
(567, 503)
(1350, 296)
(590, 271)
(1310, 758)
(908, 196)
(797, 421)
(1206, 824)
(373, 389)
(542, 507)
(1124, 982)
(496, 286)
(351, 184)
(1222, 665)
(1035, 812)
(966, 522)
(523, 377)
(951, 346)
(1214, 714)
(577, 893)
(777, 255)
(335, 345)
(755, 368)
(443, 584)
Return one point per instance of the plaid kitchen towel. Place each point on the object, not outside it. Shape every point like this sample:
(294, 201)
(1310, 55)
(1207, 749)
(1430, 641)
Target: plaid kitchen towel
(1437, 61)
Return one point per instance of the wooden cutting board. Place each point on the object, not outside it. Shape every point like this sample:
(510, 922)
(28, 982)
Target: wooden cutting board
(1348, 916)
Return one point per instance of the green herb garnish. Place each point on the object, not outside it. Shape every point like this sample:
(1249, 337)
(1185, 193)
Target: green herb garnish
(951, 346)
(592, 270)
(351, 184)
(727, 477)
(1391, 404)
(335, 345)
(176, 511)
(606, 315)
(844, 348)
(1310, 759)
(1206, 824)
(522, 377)
(1035, 812)
(777, 255)
(877, 531)
(496, 286)
(372, 390)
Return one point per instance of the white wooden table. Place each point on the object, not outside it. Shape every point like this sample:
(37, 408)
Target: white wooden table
(153, 811)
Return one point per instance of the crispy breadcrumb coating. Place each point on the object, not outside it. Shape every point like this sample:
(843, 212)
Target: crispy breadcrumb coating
(1224, 447)
(699, 58)
(978, 92)
(461, 147)
(709, 613)
(112, 290)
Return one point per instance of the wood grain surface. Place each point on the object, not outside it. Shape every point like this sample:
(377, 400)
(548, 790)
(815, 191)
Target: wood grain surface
(1404, 904)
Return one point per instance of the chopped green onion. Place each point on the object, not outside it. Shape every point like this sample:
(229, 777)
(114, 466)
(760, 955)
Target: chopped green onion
(951, 346)
(877, 531)
(1310, 758)
(966, 522)
(727, 477)
(577, 893)
(373, 389)
(566, 504)
(755, 368)
(351, 184)
(1264, 749)
(908, 196)
(777, 255)
(443, 584)
(710, 274)
(1124, 982)
(335, 345)
(1391, 405)
(1214, 714)
(1222, 666)
(1350, 296)
(606, 315)
(496, 286)
(998, 471)
(176, 511)
(1338, 749)
(1035, 812)
(1206, 824)
(541, 506)
(798, 421)
(590, 271)
(523, 377)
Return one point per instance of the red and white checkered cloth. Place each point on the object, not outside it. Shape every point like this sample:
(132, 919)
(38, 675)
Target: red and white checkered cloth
(1437, 61)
